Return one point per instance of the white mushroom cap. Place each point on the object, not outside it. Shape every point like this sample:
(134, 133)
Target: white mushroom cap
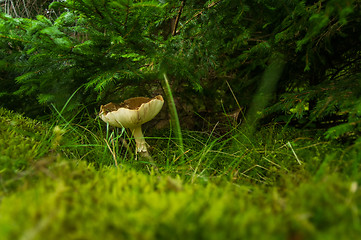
(132, 112)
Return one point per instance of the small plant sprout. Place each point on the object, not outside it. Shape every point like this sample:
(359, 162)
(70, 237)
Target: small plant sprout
(132, 113)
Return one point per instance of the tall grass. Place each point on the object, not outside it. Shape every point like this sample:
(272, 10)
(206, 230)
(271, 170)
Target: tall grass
(238, 154)
(235, 153)
(174, 115)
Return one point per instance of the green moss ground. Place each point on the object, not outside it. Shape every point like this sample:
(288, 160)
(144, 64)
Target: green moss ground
(224, 189)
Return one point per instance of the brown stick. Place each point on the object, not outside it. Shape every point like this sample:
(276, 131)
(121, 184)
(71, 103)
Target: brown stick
(178, 17)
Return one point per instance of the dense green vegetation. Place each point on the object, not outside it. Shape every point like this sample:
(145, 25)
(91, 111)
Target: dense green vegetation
(267, 94)
(251, 188)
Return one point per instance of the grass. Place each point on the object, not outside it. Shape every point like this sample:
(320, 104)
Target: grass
(65, 180)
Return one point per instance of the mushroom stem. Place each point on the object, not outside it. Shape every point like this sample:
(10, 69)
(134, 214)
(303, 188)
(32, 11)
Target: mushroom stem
(139, 140)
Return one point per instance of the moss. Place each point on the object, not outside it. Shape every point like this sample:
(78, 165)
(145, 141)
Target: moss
(21, 142)
(46, 195)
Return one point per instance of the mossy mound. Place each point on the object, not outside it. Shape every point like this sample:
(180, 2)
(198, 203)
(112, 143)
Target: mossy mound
(45, 195)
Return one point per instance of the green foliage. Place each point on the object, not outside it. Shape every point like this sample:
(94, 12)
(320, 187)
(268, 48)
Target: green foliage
(327, 90)
(78, 49)
(111, 50)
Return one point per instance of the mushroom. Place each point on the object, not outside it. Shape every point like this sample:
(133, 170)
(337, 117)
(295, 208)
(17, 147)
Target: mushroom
(132, 113)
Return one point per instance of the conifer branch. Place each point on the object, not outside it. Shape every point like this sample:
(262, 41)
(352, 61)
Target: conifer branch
(197, 15)
(126, 19)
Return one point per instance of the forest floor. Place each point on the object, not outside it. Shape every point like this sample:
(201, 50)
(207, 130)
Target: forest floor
(62, 180)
